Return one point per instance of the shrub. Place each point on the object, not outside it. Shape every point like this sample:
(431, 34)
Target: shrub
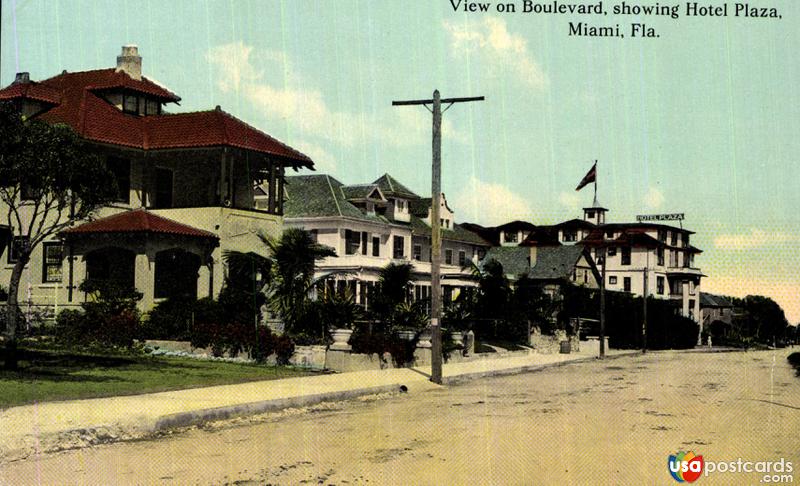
(169, 319)
(284, 349)
(111, 320)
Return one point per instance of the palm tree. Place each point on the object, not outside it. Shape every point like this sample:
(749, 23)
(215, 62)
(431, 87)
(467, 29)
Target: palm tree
(286, 275)
(394, 286)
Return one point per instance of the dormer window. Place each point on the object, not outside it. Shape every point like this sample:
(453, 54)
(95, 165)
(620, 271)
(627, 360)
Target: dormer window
(130, 104)
(152, 107)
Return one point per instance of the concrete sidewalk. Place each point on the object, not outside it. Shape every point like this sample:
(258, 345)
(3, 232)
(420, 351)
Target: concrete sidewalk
(33, 429)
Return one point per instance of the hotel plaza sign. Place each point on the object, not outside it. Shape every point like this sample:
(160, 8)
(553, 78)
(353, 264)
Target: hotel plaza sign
(660, 217)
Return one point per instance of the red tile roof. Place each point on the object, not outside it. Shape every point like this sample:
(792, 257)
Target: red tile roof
(79, 103)
(138, 221)
(32, 90)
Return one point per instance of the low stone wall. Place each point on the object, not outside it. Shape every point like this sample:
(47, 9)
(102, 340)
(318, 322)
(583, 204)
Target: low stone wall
(546, 344)
(345, 360)
(304, 356)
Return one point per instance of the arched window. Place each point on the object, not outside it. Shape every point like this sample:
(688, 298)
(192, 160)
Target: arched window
(112, 265)
(176, 274)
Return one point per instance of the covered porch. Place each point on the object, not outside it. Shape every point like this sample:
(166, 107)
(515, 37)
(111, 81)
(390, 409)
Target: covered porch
(137, 249)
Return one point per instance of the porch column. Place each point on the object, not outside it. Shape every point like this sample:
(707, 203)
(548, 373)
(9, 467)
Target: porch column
(144, 273)
(204, 284)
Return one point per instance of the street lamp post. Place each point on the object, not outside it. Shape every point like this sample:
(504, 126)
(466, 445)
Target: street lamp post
(436, 228)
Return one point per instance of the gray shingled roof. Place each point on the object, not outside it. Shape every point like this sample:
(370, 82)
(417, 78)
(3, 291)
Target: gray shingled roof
(711, 300)
(358, 191)
(552, 262)
(320, 195)
(420, 228)
(391, 187)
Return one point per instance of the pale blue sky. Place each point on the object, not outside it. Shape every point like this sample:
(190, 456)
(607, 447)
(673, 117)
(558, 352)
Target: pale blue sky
(703, 120)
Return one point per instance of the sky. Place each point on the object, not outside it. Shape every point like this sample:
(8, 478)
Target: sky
(702, 120)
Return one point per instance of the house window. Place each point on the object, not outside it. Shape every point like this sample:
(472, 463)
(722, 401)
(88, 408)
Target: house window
(612, 280)
(399, 247)
(691, 308)
(585, 276)
(626, 284)
(152, 107)
(610, 234)
(691, 287)
(130, 104)
(16, 245)
(351, 242)
(121, 170)
(570, 236)
(376, 246)
(510, 236)
(462, 258)
(417, 252)
(481, 253)
(612, 251)
(448, 257)
(662, 236)
(364, 240)
(626, 255)
(674, 239)
(660, 285)
(660, 256)
(590, 214)
(574, 274)
(51, 266)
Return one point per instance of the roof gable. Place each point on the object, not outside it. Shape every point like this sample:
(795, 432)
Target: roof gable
(391, 187)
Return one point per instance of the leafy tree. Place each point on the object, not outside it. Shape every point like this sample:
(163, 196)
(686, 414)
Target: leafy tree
(761, 320)
(50, 179)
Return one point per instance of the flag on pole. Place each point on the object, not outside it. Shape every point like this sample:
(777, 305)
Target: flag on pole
(590, 176)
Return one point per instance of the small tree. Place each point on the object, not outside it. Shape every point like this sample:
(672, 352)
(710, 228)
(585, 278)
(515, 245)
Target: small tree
(50, 179)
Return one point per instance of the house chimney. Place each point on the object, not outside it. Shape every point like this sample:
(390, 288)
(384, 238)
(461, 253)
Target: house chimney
(130, 62)
(22, 78)
(532, 257)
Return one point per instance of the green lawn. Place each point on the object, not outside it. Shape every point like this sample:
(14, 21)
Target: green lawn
(52, 375)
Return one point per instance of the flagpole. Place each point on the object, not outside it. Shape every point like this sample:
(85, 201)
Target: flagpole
(595, 183)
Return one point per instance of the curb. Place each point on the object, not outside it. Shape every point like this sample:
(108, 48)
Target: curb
(184, 419)
(457, 379)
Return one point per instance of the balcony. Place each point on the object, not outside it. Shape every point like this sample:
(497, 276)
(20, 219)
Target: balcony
(672, 270)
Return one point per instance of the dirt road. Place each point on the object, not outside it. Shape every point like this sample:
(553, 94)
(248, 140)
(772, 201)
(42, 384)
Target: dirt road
(611, 422)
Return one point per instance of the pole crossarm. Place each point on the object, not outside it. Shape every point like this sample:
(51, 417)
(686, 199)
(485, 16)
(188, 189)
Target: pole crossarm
(443, 100)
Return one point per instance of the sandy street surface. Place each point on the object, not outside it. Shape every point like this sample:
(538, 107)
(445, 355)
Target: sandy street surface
(610, 422)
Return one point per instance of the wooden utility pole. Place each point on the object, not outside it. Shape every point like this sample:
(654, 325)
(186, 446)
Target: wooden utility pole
(436, 227)
(603, 305)
(644, 320)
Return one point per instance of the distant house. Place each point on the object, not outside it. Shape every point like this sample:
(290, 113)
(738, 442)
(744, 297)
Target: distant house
(551, 266)
(187, 187)
(717, 312)
(371, 225)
